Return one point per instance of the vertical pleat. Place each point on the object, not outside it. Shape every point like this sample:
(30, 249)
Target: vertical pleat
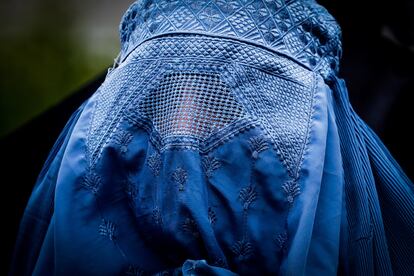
(396, 195)
(368, 248)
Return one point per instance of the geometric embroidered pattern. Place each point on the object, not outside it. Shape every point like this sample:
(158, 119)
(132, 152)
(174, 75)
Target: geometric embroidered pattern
(195, 91)
(201, 49)
(190, 104)
(110, 98)
(283, 109)
(299, 28)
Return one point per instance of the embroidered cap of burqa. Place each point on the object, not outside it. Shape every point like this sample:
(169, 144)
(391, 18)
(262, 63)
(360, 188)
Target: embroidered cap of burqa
(221, 143)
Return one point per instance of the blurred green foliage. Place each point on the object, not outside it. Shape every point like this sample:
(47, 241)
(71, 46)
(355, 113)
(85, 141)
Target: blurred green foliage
(43, 63)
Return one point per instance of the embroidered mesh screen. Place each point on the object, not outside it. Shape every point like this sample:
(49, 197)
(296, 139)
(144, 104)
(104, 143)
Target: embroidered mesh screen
(197, 91)
(191, 104)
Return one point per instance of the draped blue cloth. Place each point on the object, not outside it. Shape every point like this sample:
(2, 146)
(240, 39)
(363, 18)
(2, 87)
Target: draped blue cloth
(222, 143)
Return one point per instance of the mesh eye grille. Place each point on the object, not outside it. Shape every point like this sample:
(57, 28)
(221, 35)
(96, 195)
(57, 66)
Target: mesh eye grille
(187, 103)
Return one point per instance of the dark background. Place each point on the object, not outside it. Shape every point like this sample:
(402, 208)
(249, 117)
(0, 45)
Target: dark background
(48, 49)
(378, 65)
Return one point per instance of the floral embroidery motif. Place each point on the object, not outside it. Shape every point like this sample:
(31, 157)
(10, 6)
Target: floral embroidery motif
(156, 216)
(170, 272)
(247, 195)
(212, 217)
(281, 240)
(122, 139)
(155, 163)
(220, 262)
(190, 226)
(107, 229)
(243, 249)
(135, 271)
(92, 182)
(210, 164)
(131, 191)
(130, 188)
(179, 176)
(257, 145)
(167, 273)
(292, 189)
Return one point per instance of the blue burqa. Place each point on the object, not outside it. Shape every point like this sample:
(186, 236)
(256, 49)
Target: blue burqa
(221, 143)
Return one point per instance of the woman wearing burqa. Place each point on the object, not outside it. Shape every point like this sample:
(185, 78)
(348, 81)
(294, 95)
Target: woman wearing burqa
(221, 143)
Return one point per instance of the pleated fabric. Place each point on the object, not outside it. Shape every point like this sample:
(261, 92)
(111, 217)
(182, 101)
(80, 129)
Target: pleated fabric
(222, 143)
(380, 198)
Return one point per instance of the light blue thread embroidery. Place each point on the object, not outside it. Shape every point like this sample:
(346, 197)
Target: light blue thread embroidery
(190, 226)
(135, 271)
(220, 262)
(179, 176)
(212, 217)
(210, 164)
(190, 104)
(156, 216)
(289, 77)
(210, 16)
(122, 139)
(91, 181)
(243, 249)
(111, 98)
(292, 190)
(155, 163)
(247, 195)
(257, 145)
(283, 108)
(281, 241)
(295, 28)
(107, 229)
(131, 190)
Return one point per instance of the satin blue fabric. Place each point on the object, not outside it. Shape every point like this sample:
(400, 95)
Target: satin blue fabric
(205, 152)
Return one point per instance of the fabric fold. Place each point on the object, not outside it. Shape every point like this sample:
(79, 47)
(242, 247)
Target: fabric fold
(379, 197)
(223, 143)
